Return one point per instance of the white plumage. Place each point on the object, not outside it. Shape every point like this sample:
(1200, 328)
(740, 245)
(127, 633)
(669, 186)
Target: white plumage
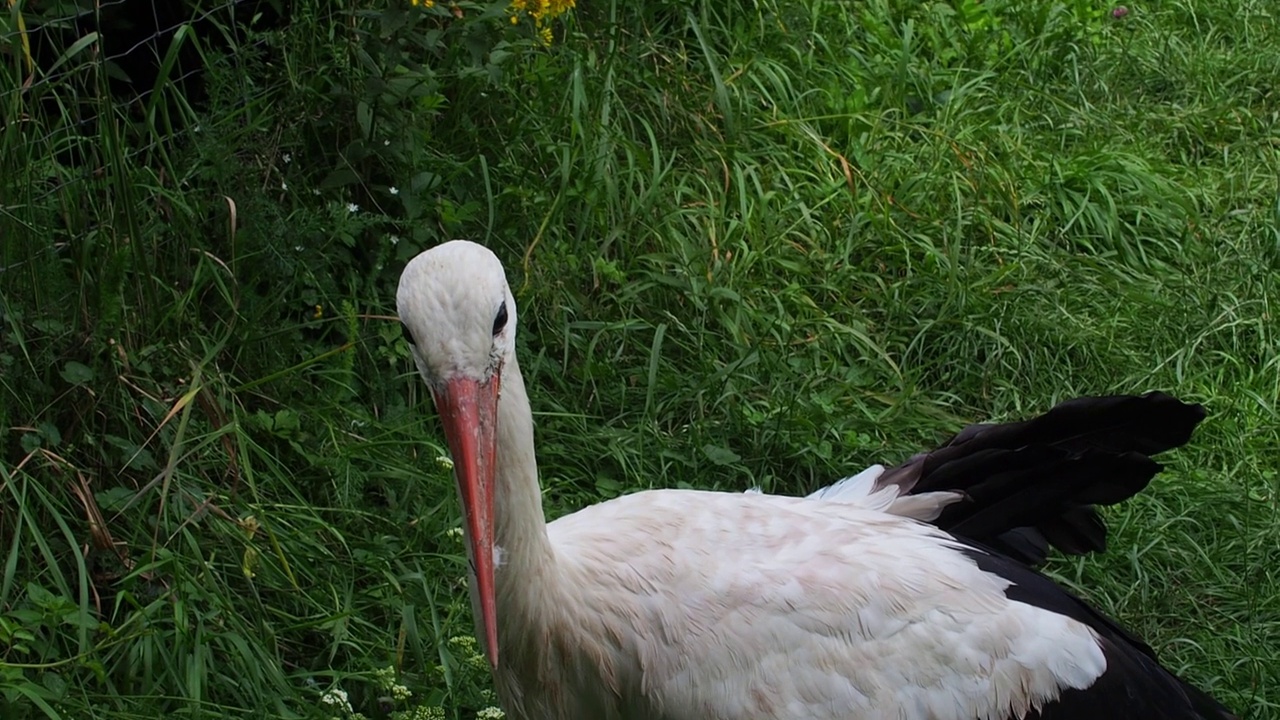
(752, 597)
(691, 605)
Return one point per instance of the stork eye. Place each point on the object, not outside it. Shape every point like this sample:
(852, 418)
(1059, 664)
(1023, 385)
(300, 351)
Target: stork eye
(500, 321)
(408, 336)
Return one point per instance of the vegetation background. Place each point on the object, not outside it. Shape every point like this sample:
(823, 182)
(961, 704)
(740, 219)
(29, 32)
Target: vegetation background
(755, 242)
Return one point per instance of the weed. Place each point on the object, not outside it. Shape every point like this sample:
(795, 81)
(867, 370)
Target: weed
(754, 244)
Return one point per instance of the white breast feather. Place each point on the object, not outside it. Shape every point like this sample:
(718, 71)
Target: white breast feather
(754, 607)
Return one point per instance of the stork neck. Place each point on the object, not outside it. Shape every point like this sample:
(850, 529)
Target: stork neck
(520, 527)
(535, 603)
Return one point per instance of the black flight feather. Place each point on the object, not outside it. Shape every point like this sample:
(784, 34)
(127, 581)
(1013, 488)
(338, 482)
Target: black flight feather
(1030, 485)
(1134, 685)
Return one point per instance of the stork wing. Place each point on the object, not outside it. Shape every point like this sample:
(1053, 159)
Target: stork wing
(1135, 684)
(1020, 487)
(777, 607)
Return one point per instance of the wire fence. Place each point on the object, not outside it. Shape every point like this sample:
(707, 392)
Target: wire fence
(62, 67)
(73, 42)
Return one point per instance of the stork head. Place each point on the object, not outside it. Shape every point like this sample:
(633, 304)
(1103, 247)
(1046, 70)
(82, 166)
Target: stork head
(460, 319)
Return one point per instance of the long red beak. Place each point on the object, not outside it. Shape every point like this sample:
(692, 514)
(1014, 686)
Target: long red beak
(469, 411)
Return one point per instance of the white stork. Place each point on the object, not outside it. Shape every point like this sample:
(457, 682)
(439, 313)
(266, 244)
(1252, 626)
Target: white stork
(692, 605)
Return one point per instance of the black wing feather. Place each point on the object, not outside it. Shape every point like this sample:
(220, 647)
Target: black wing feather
(1034, 484)
(1030, 485)
(1134, 684)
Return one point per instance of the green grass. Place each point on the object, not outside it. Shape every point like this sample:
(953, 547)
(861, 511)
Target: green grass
(753, 243)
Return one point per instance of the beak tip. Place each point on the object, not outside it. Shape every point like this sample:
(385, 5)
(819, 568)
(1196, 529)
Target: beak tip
(491, 645)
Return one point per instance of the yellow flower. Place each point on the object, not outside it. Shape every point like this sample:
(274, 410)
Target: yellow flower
(542, 12)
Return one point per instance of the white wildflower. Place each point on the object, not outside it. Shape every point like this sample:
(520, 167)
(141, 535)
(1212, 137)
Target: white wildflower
(491, 713)
(445, 462)
(395, 239)
(386, 142)
(463, 642)
(284, 185)
(287, 158)
(315, 191)
(395, 190)
(336, 697)
(352, 207)
(454, 533)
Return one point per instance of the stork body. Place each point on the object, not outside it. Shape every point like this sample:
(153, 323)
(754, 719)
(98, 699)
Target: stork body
(690, 605)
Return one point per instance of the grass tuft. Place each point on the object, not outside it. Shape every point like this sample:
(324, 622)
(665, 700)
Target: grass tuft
(754, 244)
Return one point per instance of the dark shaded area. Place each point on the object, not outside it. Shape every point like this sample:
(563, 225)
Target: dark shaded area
(135, 37)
